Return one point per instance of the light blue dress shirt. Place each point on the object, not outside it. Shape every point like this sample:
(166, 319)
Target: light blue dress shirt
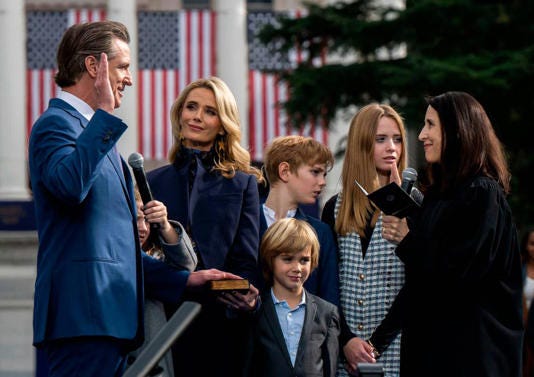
(291, 321)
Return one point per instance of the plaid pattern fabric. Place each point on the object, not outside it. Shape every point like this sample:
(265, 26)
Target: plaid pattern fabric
(368, 287)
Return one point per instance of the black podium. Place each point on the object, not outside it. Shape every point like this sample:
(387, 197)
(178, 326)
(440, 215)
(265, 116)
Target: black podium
(163, 340)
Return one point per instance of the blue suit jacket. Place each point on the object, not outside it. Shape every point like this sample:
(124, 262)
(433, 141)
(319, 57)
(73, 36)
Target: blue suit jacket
(222, 214)
(324, 280)
(89, 265)
(317, 354)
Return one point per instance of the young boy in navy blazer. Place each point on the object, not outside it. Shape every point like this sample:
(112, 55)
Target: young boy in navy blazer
(295, 333)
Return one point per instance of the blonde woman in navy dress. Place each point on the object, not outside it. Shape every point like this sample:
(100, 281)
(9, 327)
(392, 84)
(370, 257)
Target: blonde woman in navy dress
(211, 188)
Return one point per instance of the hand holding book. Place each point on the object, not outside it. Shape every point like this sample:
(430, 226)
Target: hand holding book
(391, 199)
(236, 294)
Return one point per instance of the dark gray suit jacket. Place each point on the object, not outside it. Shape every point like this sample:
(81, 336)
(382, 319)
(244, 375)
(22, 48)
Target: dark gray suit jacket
(318, 349)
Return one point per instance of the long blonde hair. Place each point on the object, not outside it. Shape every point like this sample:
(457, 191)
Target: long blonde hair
(359, 164)
(231, 155)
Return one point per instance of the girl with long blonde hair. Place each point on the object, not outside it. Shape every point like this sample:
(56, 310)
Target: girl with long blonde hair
(370, 273)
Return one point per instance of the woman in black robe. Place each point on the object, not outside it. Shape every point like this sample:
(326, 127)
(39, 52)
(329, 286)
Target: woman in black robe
(461, 303)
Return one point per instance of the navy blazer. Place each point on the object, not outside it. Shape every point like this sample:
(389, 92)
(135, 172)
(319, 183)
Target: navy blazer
(222, 218)
(317, 354)
(222, 214)
(89, 264)
(324, 280)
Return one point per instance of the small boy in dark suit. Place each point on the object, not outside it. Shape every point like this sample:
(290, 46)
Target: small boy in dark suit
(295, 333)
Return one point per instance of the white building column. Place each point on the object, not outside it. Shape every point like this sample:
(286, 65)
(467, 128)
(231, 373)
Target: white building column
(125, 11)
(13, 148)
(232, 55)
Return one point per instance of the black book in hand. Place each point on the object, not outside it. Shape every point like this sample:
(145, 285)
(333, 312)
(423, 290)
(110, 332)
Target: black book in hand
(391, 199)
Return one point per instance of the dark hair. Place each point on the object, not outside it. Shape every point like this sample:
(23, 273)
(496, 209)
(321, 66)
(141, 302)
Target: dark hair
(469, 145)
(524, 241)
(83, 40)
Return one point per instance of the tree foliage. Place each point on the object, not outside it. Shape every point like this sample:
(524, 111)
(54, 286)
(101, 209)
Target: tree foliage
(483, 47)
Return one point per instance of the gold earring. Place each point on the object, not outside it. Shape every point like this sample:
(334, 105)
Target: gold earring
(220, 147)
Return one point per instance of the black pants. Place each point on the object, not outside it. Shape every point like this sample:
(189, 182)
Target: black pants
(213, 345)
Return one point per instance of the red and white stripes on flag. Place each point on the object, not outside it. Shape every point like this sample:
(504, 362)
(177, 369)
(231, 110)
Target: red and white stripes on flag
(78, 16)
(158, 88)
(197, 45)
(40, 88)
(268, 120)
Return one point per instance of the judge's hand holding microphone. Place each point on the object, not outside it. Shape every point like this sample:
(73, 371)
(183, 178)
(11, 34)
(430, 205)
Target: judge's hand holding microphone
(394, 229)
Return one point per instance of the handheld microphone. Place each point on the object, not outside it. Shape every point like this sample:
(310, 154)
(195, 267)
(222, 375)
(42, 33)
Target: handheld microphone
(136, 162)
(409, 176)
(417, 195)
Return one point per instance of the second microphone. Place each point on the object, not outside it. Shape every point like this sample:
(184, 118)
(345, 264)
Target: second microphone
(136, 161)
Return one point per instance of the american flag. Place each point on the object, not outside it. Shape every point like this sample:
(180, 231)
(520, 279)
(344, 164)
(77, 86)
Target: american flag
(267, 119)
(175, 48)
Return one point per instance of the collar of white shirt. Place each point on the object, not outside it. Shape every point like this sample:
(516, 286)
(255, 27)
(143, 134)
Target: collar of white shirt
(270, 216)
(81, 106)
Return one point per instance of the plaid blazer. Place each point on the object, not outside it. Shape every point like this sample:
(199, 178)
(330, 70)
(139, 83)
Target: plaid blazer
(368, 287)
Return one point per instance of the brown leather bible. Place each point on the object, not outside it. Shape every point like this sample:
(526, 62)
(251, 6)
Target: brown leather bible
(240, 285)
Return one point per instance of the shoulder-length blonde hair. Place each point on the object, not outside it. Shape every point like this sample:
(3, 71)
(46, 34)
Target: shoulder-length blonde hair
(231, 155)
(359, 164)
(287, 236)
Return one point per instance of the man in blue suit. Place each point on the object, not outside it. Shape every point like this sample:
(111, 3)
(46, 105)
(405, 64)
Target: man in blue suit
(91, 273)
